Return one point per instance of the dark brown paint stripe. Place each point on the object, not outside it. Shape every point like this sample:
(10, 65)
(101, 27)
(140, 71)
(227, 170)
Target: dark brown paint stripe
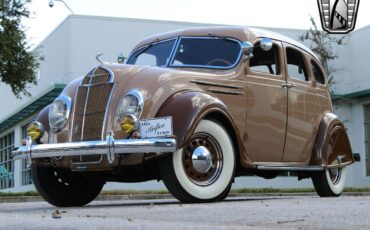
(215, 84)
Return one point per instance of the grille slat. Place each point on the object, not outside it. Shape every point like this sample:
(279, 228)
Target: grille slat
(91, 101)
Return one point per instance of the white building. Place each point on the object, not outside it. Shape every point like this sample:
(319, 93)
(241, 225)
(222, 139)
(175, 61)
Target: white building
(69, 52)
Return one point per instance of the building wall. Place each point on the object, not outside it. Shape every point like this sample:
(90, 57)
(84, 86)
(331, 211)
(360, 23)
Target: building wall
(353, 65)
(69, 52)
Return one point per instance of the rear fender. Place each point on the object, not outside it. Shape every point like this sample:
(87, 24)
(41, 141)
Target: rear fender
(332, 147)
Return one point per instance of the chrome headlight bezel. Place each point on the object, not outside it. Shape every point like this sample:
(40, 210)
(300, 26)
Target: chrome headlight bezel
(40, 131)
(122, 108)
(63, 114)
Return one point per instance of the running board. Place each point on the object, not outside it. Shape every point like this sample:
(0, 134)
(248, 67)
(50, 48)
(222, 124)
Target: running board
(289, 168)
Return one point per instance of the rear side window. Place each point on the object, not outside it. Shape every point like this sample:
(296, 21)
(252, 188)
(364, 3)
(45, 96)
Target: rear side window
(296, 66)
(319, 75)
(265, 61)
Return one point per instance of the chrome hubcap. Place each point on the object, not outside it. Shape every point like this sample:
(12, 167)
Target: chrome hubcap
(334, 174)
(202, 159)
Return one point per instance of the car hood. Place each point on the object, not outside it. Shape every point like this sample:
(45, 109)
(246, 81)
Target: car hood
(155, 83)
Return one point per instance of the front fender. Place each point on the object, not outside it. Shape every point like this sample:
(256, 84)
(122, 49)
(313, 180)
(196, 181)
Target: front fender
(187, 109)
(332, 147)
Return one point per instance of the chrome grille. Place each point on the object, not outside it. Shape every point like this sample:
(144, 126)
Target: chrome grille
(91, 102)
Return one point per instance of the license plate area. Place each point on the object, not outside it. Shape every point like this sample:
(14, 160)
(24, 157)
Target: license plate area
(156, 127)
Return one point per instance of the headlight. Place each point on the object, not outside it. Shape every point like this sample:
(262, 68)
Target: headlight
(35, 130)
(129, 110)
(59, 113)
(129, 124)
(130, 104)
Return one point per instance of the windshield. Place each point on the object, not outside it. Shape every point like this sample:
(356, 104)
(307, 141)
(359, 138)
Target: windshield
(156, 54)
(206, 52)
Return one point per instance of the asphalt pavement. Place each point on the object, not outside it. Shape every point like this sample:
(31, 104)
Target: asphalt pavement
(263, 212)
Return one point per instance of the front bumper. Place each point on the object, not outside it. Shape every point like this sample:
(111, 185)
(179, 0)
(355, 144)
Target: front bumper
(110, 147)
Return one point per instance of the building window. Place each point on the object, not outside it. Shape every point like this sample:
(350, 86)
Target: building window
(6, 163)
(26, 171)
(367, 138)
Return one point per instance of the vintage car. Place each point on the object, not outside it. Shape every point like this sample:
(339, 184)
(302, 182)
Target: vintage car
(194, 108)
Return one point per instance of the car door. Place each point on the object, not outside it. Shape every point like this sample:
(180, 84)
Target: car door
(266, 114)
(303, 107)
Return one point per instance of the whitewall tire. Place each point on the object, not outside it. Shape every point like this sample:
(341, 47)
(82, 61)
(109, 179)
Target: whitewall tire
(331, 182)
(203, 170)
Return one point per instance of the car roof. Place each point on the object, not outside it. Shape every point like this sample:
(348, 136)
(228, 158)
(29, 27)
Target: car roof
(241, 33)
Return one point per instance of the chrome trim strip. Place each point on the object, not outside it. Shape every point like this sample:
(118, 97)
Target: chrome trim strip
(225, 92)
(206, 66)
(140, 100)
(85, 107)
(72, 121)
(215, 84)
(96, 84)
(85, 148)
(111, 80)
(68, 102)
(290, 168)
(173, 51)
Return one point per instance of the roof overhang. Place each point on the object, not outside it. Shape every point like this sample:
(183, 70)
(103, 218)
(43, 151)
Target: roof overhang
(354, 95)
(33, 107)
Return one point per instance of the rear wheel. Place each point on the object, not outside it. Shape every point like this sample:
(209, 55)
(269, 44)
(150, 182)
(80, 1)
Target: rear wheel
(64, 188)
(330, 183)
(203, 170)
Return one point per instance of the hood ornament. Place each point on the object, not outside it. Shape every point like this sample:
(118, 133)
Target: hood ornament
(98, 58)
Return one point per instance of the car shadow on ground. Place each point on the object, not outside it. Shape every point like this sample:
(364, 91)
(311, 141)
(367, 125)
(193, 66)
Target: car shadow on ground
(132, 203)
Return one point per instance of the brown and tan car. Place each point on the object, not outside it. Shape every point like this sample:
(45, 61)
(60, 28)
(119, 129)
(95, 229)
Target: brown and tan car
(194, 108)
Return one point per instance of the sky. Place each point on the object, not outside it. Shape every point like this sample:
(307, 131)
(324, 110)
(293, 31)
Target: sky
(265, 13)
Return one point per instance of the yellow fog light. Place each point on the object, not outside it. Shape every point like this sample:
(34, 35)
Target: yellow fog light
(35, 130)
(129, 123)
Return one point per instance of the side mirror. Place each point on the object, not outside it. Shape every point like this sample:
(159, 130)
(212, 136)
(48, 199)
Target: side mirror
(247, 48)
(121, 58)
(266, 44)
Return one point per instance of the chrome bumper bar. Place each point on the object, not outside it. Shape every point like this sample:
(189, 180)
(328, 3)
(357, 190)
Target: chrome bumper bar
(110, 147)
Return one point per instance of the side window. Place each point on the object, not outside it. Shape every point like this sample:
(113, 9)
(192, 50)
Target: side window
(265, 61)
(296, 66)
(319, 75)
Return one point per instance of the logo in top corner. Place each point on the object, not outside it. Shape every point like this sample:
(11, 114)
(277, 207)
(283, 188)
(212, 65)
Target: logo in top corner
(338, 16)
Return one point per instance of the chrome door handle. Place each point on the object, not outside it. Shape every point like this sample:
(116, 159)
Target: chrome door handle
(288, 86)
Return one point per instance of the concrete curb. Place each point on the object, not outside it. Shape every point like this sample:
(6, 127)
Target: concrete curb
(17, 199)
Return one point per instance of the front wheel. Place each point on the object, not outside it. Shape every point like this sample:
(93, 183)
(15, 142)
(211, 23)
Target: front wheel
(203, 170)
(64, 188)
(330, 182)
